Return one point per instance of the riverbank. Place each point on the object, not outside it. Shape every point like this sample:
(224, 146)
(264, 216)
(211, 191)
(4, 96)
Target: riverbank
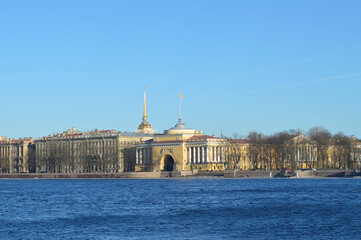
(185, 174)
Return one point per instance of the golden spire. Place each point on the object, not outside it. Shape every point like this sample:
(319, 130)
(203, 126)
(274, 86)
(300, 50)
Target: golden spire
(145, 108)
(145, 127)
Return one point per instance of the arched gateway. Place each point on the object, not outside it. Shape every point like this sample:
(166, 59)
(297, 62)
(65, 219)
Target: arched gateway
(168, 163)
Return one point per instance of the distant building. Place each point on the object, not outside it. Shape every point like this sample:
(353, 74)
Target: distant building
(91, 152)
(84, 152)
(300, 152)
(14, 155)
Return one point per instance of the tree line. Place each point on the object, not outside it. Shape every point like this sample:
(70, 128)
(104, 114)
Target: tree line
(320, 149)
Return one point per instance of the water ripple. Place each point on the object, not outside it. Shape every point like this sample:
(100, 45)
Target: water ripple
(180, 209)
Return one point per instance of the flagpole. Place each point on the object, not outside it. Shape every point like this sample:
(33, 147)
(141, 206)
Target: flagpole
(180, 106)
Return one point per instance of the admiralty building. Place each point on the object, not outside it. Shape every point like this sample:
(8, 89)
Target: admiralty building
(177, 149)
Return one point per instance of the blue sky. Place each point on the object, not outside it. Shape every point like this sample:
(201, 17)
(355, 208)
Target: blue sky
(241, 65)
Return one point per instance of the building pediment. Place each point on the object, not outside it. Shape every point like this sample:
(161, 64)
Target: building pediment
(300, 139)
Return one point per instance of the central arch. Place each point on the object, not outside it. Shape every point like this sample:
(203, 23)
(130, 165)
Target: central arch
(168, 163)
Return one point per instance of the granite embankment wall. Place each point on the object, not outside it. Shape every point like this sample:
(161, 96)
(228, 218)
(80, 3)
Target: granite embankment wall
(335, 173)
(192, 174)
(276, 173)
(130, 175)
(252, 174)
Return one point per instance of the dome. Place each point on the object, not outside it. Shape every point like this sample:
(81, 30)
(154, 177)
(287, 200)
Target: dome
(180, 128)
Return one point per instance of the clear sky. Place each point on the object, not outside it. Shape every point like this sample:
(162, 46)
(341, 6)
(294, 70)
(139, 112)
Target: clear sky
(241, 65)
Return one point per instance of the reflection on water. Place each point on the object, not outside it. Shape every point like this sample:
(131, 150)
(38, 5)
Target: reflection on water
(180, 209)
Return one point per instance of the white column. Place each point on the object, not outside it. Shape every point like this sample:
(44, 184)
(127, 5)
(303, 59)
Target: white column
(141, 156)
(303, 153)
(214, 157)
(298, 154)
(218, 154)
(199, 155)
(213, 154)
(211, 148)
(222, 154)
(202, 154)
(194, 154)
(189, 155)
(207, 152)
(226, 154)
(137, 156)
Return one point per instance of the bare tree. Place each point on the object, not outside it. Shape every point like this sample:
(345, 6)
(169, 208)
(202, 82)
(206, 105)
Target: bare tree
(321, 138)
(355, 152)
(31, 158)
(342, 150)
(279, 153)
(236, 154)
(4, 165)
(255, 149)
(129, 158)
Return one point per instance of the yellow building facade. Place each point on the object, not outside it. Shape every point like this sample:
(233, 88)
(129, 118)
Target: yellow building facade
(72, 151)
(176, 149)
(181, 148)
(14, 155)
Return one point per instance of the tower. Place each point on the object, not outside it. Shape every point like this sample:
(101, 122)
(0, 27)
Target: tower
(145, 127)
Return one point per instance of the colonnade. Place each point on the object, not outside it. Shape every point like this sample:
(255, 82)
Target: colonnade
(206, 154)
(6, 151)
(143, 156)
(306, 154)
(195, 155)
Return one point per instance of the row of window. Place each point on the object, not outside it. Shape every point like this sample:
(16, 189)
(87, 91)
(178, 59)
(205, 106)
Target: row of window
(14, 151)
(93, 144)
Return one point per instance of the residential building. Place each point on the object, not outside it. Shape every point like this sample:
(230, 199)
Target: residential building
(14, 154)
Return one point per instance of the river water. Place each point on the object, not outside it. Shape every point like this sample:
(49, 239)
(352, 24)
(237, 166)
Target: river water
(181, 209)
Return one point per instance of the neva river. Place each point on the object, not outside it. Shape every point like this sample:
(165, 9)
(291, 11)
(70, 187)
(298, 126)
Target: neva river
(181, 209)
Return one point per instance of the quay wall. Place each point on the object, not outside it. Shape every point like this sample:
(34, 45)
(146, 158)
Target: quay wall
(125, 175)
(183, 174)
(335, 173)
(252, 174)
(301, 174)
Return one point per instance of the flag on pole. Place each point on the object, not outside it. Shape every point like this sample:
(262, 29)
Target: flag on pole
(181, 95)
